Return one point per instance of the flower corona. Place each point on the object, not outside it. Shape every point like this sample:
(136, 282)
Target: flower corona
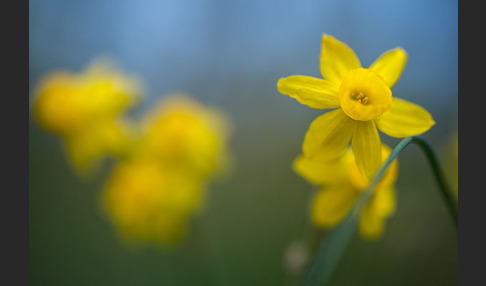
(364, 95)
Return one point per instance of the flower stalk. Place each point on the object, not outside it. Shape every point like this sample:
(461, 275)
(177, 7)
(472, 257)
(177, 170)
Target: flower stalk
(446, 192)
(330, 251)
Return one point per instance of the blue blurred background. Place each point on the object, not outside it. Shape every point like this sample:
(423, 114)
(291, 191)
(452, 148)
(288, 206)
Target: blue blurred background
(230, 54)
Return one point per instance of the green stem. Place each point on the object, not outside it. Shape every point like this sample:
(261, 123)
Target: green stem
(447, 194)
(331, 250)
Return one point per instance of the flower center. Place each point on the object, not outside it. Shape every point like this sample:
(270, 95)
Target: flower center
(364, 95)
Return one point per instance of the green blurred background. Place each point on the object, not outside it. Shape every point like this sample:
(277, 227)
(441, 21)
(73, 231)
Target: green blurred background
(231, 55)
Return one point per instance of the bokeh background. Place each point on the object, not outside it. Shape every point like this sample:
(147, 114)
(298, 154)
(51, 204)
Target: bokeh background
(230, 54)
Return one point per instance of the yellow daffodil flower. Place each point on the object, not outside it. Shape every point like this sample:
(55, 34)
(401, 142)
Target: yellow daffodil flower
(362, 100)
(341, 183)
(152, 195)
(149, 202)
(183, 133)
(84, 110)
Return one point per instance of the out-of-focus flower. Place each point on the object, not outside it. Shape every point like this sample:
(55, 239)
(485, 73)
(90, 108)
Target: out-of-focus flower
(363, 101)
(152, 195)
(150, 202)
(85, 109)
(340, 184)
(184, 134)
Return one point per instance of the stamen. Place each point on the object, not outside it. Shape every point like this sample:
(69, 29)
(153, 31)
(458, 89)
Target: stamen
(360, 97)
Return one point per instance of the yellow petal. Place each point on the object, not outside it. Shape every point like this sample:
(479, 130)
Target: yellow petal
(384, 201)
(85, 152)
(354, 176)
(328, 135)
(319, 172)
(331, 205)
(336, 59)
(370, 226)
(404, 119)
(381, 206)
(390, 65)
(391, 174)
(313, 92)
(366, 145)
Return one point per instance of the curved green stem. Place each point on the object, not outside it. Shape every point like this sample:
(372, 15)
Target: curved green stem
(447, 194)
(331, 250)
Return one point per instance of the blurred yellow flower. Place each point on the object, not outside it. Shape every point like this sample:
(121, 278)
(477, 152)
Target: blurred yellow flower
(363, 102)
(340, 184)
(152, 195)
(185, 134)
(150, 202)
(84, 110)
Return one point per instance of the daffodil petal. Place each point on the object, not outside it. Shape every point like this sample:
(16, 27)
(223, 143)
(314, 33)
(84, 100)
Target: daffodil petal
(85, 153)
(319, 172)
(336, 59)
(391, 174)
(404, 119)
(381, 206)
(313, 92)
(328, 135)
(384, 201)
(390, 65)
(366, 145)
(370, 226)
(332, 204)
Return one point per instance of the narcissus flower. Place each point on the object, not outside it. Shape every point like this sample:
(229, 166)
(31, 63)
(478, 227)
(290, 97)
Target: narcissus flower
(184, 133)
(85, 111)
(152, 194)
(362, 100)
(149, 202)
(340, 184)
